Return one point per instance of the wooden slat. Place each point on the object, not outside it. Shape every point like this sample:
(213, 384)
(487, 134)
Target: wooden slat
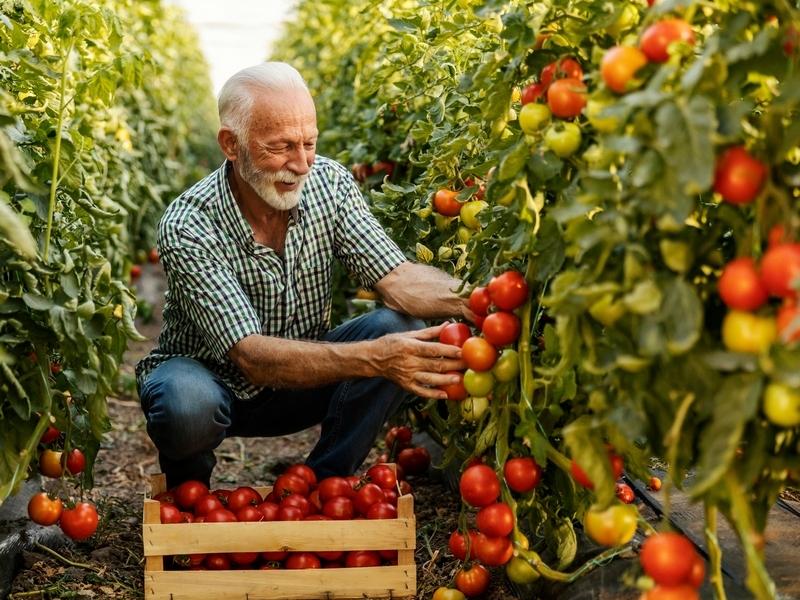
(158, 484)
(152, 516)
(369, 582)
(405, 510)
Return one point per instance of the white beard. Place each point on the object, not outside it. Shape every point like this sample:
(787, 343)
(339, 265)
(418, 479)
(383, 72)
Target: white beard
(263, 183)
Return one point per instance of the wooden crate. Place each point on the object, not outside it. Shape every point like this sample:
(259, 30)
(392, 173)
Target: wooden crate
(194, 538)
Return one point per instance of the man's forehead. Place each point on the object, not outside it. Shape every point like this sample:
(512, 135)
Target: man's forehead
(282, 107)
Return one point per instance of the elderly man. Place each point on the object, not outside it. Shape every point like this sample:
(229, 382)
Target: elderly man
(245, 348)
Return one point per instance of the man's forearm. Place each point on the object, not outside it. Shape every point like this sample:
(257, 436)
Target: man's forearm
(422, 291)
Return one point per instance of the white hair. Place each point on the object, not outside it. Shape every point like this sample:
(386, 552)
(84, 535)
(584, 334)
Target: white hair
(235, 100)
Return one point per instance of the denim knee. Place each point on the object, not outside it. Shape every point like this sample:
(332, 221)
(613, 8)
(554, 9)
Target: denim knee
(386, 320)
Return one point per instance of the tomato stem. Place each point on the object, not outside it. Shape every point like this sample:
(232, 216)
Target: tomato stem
(672, 441)
(545, 571)
(714, 551)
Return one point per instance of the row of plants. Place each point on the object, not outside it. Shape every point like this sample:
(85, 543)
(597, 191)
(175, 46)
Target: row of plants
(106, 113)
(635, 164)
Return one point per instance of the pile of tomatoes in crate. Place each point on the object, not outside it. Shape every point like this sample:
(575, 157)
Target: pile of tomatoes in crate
(295, 496)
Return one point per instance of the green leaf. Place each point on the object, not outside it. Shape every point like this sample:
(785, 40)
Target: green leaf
(585, 442)
(513, 162)
(644, 298)
(14, 229)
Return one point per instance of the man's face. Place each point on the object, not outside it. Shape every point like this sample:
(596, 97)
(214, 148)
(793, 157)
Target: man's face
(281, 147)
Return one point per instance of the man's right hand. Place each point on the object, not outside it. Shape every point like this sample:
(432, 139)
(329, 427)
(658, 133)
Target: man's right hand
(416, 363)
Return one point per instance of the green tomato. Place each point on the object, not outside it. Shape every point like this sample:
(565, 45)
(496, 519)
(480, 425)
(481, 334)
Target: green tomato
(472, 409)
(464, 234)
(533, 116)
(563, 139)
(469, 213)
(520, 571)
(598, 157)
(442, 222)
(606, 311)
(782, 405)
(478, 383)
(627, 18)
(593, 111)
(507, 366)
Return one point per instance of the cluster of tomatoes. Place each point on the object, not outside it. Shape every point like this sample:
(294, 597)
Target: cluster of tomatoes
(295, 496)
(78, 520)
(409, 459)
(447, 205)
(671, 561)
(499, 326)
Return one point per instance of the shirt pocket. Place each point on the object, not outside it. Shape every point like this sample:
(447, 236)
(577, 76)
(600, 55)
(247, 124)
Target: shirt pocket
(313, 290)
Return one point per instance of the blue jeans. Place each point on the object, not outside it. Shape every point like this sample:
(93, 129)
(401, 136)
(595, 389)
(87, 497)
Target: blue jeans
(189, 411)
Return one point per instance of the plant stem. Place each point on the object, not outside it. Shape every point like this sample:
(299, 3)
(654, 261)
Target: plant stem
(672, 441)
(714, 552)
(525, 359)
(537, 563)
(64, 559)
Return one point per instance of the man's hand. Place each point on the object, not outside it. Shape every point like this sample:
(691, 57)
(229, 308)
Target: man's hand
(416, 364)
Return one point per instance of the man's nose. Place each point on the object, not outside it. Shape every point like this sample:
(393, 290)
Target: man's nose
(299, 162)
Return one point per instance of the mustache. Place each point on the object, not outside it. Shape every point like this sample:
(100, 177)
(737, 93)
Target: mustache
(283, 175)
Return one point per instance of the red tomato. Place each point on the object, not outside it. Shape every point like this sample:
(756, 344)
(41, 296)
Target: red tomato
(79, 523)
(391, 496)
(479, 354)
(479, 301)
(624, 493)
(330, 487)
(330, 555)
(398, 437)
(303, 471)
(455, 391)
(454, 334)
(298, 501)
(495, 520)
(187, 517)
(445, 203)
(738, 176)
(50, 435)
(777, 235)
(243, 558)
(339, 508)
(501, 328)
(780, 270)
(740, 285)
(44, 510)
(290, 513)
(75, 461)
(206, 504)
(458, 544)
(168, 497)
(220, 515)
(387, 166)
(668, 558)
(578, 474)
(243, 496)
(290, 484)
(788, 321)
(522, 474)
(189, 492)
(564, 67)
(269, 510)
(381, 510)
(50, 463)
(414, 461)
(566, 97)
(479, 485)
(532, 93)
(654, 484)
(657, 38)
(383, 476)
(222, 495)
(136, 272)
(152, 256)
(405, 487)
(619, 66)
(362, 558)
(508, 290)
(274, 555)
(250, 514)
(473, 581)
(680, 592)
(368, 495)
(494, 551)
(217, 562)
(698, 572)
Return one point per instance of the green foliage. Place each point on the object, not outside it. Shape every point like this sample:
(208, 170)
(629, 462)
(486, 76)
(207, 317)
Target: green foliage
(105, 109)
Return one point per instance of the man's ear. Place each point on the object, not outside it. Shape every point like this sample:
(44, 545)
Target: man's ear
(228, 143)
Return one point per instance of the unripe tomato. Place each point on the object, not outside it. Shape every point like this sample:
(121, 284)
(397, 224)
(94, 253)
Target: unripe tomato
(738, 176)
(668, 558)
(679, 592)
(619, 66)
(788, 322)
(479, 354)
(445, 203)
(44, 510)
(613, 526)
(532, 117)
(509, 290)
(473, 581)
(472, 409)
(478, 383)
(593, 111)
(469, 213)
(740, 285)
(507, 366)
(628, 17)
(780, 270)
(782, 405)
(566, 97)
(495, 520)
(79, 523)
(520, 571)
(455, 391)
(501, 328)
(522, 474)
(454, 334)
(746, 332)
(479, 301)
(50, 463)
(563, 139)
(657, 38)
(443, 593)
(479, 485)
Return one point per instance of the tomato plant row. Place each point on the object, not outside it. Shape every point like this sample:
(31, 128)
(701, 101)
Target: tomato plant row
(637, 162)
(105, 114)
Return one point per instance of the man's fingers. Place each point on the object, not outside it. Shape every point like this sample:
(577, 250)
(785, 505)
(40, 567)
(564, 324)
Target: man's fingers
(436, 379)
(427, 392)
(429, 333)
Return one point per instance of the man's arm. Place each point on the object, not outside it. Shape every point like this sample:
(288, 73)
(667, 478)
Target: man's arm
(409, 359)
(424, 292)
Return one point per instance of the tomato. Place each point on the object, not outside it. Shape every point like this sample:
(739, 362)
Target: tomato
(566, 97)
(579, 475)
(152, 256)
(245, 496)
(628, 17)
(788, 322)
(79, 523)
(303, 471)
(454, 334)
(269, 510)
(51, 434)
(668, 558)
(698, 573)
(495, 520)
(220, 515)
(217, 562)
(458, 544)
(564, 67)
(169, 513)
(362, 558)
(478, 383)
(189, 492)
(472, 409)
(782, 405)
(479, 485)
(619, 66)
(657, 38)
(275, 555)
(613, 526)
(414, 461)
(339, 508)
(738, 176)
(330, 555)
(469, 213)
(136, 272)
(522, 474)
(508, 290)
(399, 436)
(243, 558)
(168, 497)
(386, 166)
(603, 124)
(187, 517)
(297, 501)
(478, 353)
(563, 139)
(222, 495)
(746, 332)
(383, 476)
(289, 483)
(680, 592)
(655, 483)
(624, 493)
(381, 510)
(520, 571)
(740, 285)
(44, 510)
(455, 391)
(405, 488)
(479, 301)
(302, 560)
(50, 463)
(366, 496)
(443, 593)
(532, 93)
(777, 235)
(75, 462)
(445, 203)
(780, 270)
(494, 551)
(533, 116)
(501, 328)
(507, 366)
(473, 581)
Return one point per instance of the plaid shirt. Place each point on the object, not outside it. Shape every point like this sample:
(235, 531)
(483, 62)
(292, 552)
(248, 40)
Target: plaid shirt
(223, 286)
